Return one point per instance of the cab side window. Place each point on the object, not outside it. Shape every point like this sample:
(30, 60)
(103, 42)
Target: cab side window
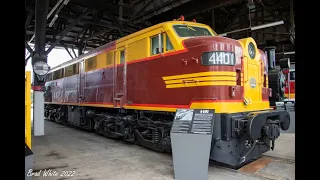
(169, 46)
(122, 56)
(156, 44)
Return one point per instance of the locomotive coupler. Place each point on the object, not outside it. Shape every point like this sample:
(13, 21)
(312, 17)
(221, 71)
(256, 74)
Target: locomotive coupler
(267, 123)
(271, 131)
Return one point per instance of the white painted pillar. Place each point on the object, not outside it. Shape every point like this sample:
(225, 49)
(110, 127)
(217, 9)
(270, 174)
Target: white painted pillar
(38, 113)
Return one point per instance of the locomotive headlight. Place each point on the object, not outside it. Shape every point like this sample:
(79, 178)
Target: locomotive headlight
(251, 50)
(41, 68)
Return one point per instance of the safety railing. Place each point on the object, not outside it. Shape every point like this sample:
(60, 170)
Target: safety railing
(28, 108)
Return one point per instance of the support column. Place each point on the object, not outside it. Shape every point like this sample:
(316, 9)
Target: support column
(213, 24)
(39, 55)
(120, 11)
(292, 24)
(38, 113)
(80, 50)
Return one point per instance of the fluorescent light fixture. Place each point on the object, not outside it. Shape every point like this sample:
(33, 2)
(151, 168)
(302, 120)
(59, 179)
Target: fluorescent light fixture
(53, 20)
(254, 28)
(291, 52)
(54, 8)
(267, 25)
(66, 2)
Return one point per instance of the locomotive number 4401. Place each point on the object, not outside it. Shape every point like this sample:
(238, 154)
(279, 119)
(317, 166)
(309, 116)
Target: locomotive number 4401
(218, 58)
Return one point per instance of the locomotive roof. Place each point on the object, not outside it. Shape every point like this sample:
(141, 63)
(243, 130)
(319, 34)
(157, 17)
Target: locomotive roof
(101, 49)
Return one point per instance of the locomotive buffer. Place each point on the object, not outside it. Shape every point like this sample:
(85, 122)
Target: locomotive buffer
(191, 135)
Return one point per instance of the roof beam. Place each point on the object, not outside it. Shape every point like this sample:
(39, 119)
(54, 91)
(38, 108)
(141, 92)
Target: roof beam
(142, 8)
(98, 34)
(157, 10)
(68, 52)
(268, 10)
(202, 7)
(26, 61)
(70, 26)
(116, 22)
(103, 24)
(74, 53)
(55, 17)
(236, 16)
(28, 48)
(30, 14)
(54, 8)
(86, 27)
(67, 43)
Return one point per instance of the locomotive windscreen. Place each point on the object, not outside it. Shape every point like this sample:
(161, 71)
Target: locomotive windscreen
(189, 31)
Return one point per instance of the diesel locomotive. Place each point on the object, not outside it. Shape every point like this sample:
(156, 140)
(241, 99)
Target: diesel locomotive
(130, 89)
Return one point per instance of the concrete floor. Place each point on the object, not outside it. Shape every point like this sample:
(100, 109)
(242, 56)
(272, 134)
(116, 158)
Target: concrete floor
(93, 157)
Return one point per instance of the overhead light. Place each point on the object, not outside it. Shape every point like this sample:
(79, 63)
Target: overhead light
(254, 28)
(53, 20)
(291, 52)
(267, 25)
(66, 2)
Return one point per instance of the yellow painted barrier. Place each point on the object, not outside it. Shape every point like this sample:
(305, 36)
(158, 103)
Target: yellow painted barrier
(28, 108)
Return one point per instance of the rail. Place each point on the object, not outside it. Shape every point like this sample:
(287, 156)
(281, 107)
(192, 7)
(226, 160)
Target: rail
(28, 108)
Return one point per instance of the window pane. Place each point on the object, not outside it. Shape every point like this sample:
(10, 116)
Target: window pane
(75, 69)
(155, 45)
(122, 56)
(168, 43)
(61, 73)
(189, 31)
(92, 63)
(68, 71)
